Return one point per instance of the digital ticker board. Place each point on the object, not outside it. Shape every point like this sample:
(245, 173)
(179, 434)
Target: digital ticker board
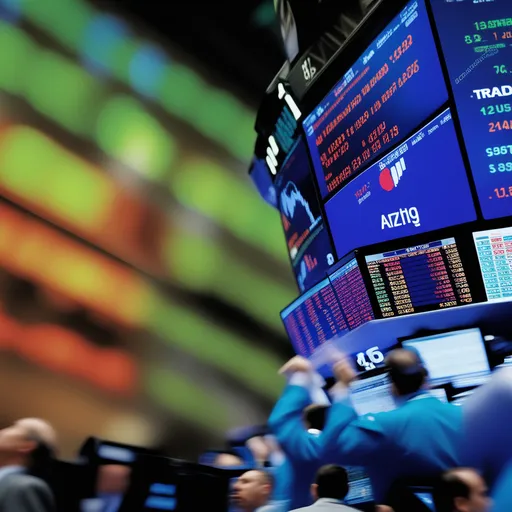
(377, 102)
(476, 39)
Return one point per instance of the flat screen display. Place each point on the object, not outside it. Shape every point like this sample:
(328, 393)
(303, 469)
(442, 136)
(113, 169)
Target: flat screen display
(420, 186)
(372, 394)
(351, 292)
(308, 242)
(476, 41)
(494, 250)
(360, 487)
(458, 358)
(388, 92)
(421, 278)
(313, 319)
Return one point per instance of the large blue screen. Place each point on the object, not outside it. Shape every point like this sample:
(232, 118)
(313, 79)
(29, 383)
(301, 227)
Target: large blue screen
(476, 38)
(419, 187)
(388, 93)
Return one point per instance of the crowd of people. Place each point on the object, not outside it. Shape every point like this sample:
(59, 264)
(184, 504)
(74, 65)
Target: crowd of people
(424, 455)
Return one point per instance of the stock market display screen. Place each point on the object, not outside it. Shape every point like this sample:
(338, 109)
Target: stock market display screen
(494, 250)
(420, 186)
(351, 293)
(422, 278)
(393, 88)
(313, 319)
(476, 38)
(308, 242)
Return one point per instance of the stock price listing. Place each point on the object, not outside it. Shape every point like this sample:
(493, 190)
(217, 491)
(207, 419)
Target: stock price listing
(476, 39)
(391, 89)
(351, 292)
(314, 318)
(421, 278)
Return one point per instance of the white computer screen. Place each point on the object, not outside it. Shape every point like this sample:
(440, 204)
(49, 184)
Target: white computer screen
(372, 395)
(457, 357)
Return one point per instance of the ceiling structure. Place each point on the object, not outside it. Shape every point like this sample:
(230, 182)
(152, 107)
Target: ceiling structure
(238, 41)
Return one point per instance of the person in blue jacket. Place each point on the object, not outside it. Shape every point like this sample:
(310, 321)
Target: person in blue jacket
(299, 439)
(419, 439)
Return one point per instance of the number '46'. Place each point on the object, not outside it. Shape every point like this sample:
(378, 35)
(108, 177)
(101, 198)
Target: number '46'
(374, 356)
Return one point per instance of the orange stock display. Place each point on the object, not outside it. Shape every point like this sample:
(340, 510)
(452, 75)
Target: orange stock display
(66, 352)
(33, 251)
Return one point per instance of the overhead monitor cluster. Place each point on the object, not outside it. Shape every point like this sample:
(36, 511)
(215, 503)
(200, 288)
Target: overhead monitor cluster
(396, 194)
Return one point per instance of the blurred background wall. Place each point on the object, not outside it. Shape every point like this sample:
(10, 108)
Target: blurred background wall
(141, 277)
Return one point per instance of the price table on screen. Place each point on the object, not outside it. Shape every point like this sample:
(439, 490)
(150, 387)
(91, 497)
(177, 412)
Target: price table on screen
(420, 278)
(494, 250)
(352, 295)
(374, 105)
(314, 318)
(476, 42)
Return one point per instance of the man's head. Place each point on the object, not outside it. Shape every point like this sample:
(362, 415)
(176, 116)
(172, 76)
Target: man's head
(314, 417)
(406, 371)
(29, 442)
(462, 490)
(113, 479)
(331, 482)
(252, 490)
(227, 460)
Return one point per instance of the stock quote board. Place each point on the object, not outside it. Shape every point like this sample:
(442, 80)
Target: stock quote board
(416, 137)
(476, 39)
(393, 87)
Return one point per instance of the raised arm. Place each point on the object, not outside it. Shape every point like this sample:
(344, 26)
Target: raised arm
(286, 420)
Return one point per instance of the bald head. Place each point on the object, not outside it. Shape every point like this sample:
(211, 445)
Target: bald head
(227, 460)
(406, 371)
(25, 441)
(39, 430)
(252, 490)
(462, 489)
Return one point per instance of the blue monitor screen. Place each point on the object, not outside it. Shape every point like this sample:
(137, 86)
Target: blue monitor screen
(260, 176)
(360, 490)
(388, 92)
(419, 187)
(476, 39)
(494, 250)
(313, 319)
(458, 358)
(308, 242)
(421, 278)
(351, 293)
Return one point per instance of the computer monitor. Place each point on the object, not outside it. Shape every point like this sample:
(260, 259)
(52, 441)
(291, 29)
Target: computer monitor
(425, 277)
(494, 251)
(458, 358)
(314, 318)
(371, 393)
(360, 487)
